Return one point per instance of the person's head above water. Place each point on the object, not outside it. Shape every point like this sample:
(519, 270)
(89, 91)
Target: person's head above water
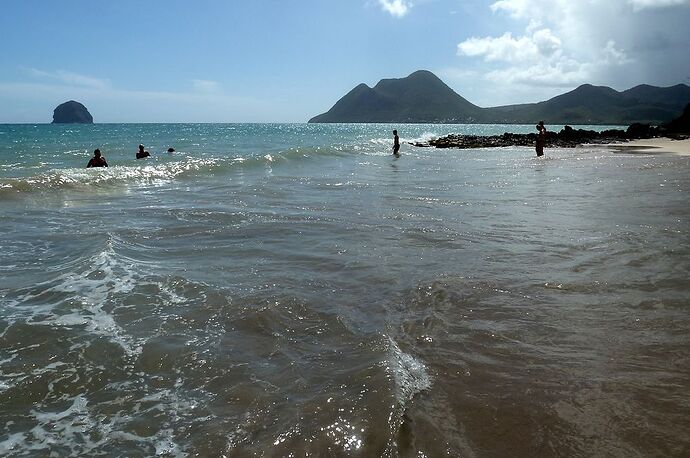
(141, 147)
(171, 150)
(395, 132)
(97, 152)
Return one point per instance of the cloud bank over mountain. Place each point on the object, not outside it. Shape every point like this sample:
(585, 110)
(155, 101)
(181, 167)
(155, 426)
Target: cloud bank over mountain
(564, 43)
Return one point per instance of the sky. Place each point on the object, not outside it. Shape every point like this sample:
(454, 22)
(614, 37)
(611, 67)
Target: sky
(289, 60)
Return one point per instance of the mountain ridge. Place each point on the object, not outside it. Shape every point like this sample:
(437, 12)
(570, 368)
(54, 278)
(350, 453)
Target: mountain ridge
(422, 97)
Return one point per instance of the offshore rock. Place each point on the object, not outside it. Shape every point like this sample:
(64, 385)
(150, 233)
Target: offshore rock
(72, 112)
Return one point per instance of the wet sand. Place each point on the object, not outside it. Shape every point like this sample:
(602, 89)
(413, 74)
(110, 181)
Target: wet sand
(655, 146)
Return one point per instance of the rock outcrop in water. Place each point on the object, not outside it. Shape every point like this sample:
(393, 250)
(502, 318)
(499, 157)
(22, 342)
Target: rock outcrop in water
(566, 138)
(72, 112)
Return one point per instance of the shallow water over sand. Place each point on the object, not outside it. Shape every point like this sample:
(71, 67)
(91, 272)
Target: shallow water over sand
(275, 290)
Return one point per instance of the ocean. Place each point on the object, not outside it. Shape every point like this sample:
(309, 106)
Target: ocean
(294, 290)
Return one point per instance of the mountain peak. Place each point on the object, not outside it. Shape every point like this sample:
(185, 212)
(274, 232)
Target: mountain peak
(419, 97)
(592, 89)
(423, 74)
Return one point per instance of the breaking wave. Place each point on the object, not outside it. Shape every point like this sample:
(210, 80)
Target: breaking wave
(159, 172)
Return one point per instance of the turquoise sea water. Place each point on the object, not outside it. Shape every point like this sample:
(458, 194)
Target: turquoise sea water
(292, 289)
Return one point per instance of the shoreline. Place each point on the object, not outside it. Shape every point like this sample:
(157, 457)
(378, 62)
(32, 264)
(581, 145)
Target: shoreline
(658, 145)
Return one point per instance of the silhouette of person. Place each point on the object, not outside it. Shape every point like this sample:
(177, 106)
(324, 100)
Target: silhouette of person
(541, 138)
(141, 153)
(97, 160)
(171, 150)
(396, 144)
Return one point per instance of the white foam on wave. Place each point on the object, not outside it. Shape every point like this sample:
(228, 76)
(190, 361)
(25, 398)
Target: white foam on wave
(12, 443)
(117, 277)
(78, 177)
(106, 274)
(81, 431)
(410, 378)
(423, 138)
(63, 428)
(384, 146)
(381, 141)
(410, 374)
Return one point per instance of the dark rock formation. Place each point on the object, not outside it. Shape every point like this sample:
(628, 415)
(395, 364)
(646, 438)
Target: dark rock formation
(566, 138)
(72, 112)
(639, 130)
(680, 125)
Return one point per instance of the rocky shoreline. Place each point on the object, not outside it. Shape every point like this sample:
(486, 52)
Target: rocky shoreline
(566, 138)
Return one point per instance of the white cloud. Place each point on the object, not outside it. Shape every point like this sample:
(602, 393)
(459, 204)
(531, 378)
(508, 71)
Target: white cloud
(542, 43)
(611, 55)
(397, 8)
(504, 48)
(534, 59)
(69, 78)
(546, 42)
(563, 73)
(568, 43)
(516, 8)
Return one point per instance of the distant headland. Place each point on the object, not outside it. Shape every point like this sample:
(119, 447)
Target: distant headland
(72, 113)
(423, 98)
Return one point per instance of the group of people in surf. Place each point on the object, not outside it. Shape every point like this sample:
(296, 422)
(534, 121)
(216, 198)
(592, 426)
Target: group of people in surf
(99, 161)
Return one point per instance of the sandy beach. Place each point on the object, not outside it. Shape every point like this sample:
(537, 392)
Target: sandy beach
(655, 145)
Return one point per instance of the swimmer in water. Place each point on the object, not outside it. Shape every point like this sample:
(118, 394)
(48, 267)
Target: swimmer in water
(97, 160)
(141, 153)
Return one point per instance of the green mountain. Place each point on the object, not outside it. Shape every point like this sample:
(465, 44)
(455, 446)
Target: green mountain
(589, 104)
(421, 97)
(424, 98)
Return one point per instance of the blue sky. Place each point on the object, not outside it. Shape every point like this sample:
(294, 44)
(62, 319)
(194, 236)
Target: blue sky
(286, 61)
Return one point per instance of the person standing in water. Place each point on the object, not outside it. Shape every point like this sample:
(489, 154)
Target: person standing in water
(541, 138)
(141, 153)
(97, 160)
(396, 144)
